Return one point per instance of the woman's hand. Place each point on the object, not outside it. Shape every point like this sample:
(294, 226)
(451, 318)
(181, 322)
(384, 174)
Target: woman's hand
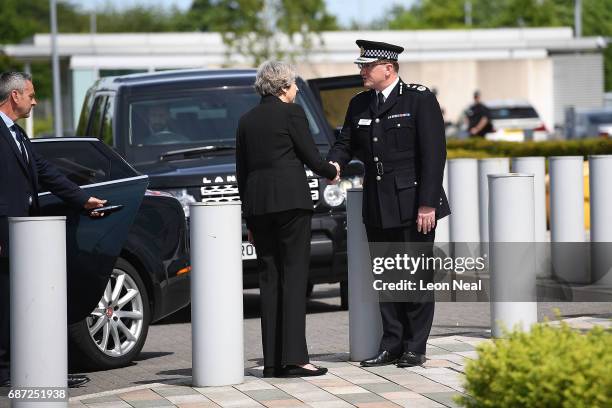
(426, 219)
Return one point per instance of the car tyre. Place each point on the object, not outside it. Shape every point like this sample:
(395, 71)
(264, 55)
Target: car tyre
(115, 331)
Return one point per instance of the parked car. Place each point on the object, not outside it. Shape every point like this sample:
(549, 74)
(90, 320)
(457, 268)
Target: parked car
(179, 128)
(588, 122)
(125, 270)
(513, 121)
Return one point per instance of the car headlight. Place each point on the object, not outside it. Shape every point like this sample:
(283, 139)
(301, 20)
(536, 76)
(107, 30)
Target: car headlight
(335, 194)
(184, 198)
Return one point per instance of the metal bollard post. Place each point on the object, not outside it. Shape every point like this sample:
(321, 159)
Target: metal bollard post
(365, 324)
(497, 165)
(567, 219)
(511, 216)
(463, 188)
(39, 346)
(537, 167)
(443, 225)
(600, 168)
(216, 294)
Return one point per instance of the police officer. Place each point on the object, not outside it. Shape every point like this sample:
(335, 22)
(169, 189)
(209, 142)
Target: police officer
(396, 129)
(478, 118)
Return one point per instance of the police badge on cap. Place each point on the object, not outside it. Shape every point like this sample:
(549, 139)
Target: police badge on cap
(371, 51)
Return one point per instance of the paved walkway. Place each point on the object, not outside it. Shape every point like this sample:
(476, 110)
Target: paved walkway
(346, 384)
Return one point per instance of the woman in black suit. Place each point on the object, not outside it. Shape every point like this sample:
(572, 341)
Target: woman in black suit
(273, 143)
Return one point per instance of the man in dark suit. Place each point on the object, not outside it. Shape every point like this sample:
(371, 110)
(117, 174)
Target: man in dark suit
(21, 173)
(397, 130)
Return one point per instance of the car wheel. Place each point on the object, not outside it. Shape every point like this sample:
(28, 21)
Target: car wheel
(344, 295)
(115, 331)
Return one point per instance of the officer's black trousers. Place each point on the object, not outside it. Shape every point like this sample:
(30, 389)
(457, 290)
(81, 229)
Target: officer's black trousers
(282, 241)
(406, 325)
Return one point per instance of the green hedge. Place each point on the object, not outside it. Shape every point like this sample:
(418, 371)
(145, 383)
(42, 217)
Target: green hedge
(479, 148)
(548, 367)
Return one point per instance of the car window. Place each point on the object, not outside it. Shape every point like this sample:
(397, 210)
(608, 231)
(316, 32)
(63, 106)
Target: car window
(106, 133)
(196, 117)
(513, 113)
(83, 162)
(82, 126)
(600, 118)
(95, 120)
(335, 102)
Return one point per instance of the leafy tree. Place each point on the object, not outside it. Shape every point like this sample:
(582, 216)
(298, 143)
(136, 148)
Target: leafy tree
(250, 27)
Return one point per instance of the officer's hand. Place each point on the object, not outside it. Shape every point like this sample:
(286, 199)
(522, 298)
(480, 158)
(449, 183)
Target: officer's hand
(426, 219)
(94, 203)
(337, 178)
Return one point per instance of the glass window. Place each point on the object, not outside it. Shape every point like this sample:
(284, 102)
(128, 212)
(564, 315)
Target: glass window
(106, 133)
(82, 126)
(335, 102)
(81, 162)
(190, 118)
(513, 113)
(96, 118)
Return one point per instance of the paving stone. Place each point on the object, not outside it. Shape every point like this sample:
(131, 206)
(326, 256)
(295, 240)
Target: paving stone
(445, 398)
(113, 404)
(361, 398)
(107, 398)
(421, 402)
(330, 404)
(380, 388)
(469, 354)
(349, 389)
(283, 403)
(170, 391)
(314, 396)
(268, 395)
(184, 399)
(197, 405)
(228, 397)
(456, 346)
(151, 403)
(140, 395)
(256, 384)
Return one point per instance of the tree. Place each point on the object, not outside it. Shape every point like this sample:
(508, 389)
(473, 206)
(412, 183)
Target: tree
(250, 27)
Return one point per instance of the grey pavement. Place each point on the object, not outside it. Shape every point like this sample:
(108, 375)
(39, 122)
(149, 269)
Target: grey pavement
(162, 373)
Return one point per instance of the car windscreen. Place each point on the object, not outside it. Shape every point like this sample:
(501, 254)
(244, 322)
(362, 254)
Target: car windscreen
(201, 117)
(600, 118)
(520, 112)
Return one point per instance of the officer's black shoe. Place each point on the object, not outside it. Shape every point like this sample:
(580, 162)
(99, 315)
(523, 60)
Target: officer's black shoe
(384, 358)
(410, 359)
(297, 371)
(75, 381)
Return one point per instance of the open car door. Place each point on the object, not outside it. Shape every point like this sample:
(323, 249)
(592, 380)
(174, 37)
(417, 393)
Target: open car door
(334, 95)
(92, 244)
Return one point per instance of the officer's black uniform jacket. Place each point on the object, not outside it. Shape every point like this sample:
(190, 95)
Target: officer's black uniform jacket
(403, 148)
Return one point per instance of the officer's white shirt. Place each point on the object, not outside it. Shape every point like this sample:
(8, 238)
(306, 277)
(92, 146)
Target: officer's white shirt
(9, 122)
(387, 91)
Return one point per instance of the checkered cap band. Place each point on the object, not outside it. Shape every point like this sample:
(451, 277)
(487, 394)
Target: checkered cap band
(380, 54)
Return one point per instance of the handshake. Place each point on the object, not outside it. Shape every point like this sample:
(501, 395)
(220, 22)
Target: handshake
(337, 178)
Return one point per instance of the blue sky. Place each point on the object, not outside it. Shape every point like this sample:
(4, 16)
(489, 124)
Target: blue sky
(361, 11)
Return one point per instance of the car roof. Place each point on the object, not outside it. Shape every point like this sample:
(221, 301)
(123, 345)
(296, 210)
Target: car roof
(165, 77)
(507, 103)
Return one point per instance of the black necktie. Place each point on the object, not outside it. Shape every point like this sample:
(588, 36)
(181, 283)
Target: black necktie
(381, 101)
(22, 147)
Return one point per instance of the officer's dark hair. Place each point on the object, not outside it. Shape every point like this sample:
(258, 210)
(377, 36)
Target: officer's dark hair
(12, 81)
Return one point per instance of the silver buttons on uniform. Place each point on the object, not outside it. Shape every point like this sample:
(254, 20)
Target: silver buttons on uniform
(378, 178)
(375, 158)
(377, 120)
(398, 125)
(375, 139)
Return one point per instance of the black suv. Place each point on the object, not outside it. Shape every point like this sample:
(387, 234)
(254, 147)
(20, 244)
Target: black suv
(179, 128)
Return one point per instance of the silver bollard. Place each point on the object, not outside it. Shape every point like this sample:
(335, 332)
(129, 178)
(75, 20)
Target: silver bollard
(511, 217)
(569, 261)
(39, 346)
(216, 294)
(365, 323)
(443, 225)
(463, 187)
(600, 187)
(537, 167)
(496, 165)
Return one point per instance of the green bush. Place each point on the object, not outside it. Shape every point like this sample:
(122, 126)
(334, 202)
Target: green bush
(548, 367)
(478, 148)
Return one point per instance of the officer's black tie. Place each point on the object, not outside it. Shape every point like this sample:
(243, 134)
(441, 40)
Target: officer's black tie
(22, 147)
(381, 101)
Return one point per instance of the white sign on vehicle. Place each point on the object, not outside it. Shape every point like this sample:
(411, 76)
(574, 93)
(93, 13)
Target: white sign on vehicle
(248, 251)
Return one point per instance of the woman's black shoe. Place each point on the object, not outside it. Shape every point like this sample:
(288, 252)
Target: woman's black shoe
(269, 372)
(297, 371)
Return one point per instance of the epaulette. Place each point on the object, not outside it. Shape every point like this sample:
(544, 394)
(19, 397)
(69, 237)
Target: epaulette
(417, 87)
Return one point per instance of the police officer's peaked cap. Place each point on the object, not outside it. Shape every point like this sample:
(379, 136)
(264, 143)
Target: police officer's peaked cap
(371, 51)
